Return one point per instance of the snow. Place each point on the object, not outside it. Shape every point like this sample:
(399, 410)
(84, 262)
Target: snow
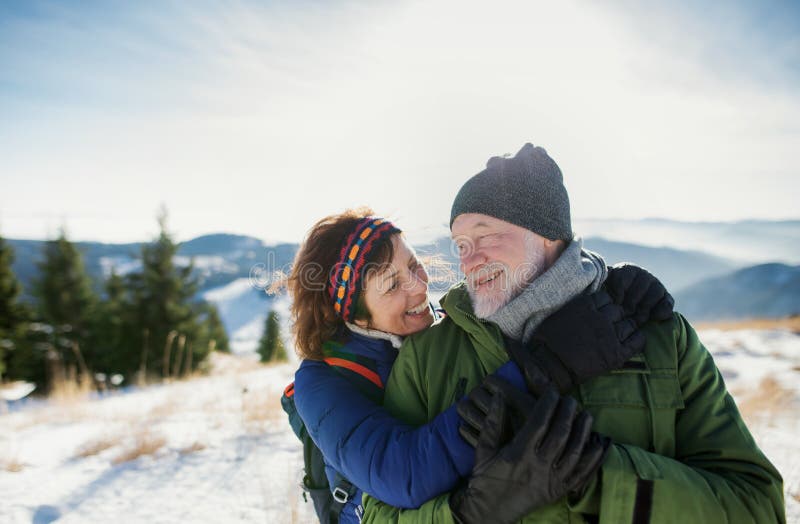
(224, 452)
(121, 265)
(747, 357)
(228, 454)
(230, 291)
(243, 309)
(208, 264)
(16, 390)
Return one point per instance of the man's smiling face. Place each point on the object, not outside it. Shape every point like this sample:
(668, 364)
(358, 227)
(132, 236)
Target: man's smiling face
(499, 259)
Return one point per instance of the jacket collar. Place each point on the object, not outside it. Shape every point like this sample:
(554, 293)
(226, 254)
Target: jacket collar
(485, 334)
(395, 340)
(379, 350)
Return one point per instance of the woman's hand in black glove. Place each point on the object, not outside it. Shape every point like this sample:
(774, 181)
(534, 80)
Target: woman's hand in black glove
(642, 296)
(587, 337)
(477, 405)
(553, 454)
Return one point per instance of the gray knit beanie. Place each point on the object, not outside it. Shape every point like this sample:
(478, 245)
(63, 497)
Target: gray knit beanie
(526, 190)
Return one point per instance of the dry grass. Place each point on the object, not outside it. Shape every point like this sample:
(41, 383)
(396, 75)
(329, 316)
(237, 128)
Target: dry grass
(61, 412)
(226, 364)
(791, 323)
(164, 410)
(11, 465)
(144, 443)
(97, 446)
(260, 409)
(769, 397)
(68, 392)
(194, 448)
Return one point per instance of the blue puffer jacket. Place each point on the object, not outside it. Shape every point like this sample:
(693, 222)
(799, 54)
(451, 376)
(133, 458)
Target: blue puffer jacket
(399, 464)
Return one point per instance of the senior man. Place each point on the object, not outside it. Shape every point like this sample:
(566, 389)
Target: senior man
(677, 448)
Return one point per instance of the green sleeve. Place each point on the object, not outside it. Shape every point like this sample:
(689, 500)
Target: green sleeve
(718, 473)
(436, 510)
(405, 398)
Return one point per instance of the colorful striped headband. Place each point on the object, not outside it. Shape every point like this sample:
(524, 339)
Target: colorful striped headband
(344, 285)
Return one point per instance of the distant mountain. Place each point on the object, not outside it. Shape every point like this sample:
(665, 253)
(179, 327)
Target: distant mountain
(677, 269)
(220, 243)
(225, 266)
(218, 259)
(748, 242)
(97, 258)
(766, 290)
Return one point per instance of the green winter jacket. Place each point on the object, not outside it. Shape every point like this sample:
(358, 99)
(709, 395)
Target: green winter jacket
(681, 452)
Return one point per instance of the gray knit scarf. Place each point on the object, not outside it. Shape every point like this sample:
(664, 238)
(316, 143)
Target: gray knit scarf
(575, 270)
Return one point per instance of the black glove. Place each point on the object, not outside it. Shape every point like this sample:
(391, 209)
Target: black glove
(552, 455)
(477, 405)
(642, 296)
(586, 338)
(473, 410)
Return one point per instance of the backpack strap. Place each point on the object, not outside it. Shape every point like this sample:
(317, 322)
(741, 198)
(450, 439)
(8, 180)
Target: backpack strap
(355, 367)
(330, 500)
(358, 369)
(361, 371)
(287, 403)
(343, 491)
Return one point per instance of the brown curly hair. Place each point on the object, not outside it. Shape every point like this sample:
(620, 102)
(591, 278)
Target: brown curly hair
(313, 319)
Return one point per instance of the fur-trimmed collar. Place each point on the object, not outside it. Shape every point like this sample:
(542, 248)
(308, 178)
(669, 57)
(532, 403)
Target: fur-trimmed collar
(393, 339)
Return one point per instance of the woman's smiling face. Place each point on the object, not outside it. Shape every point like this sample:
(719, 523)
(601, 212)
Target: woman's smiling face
(396, 293)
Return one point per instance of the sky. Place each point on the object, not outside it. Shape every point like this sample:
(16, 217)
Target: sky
(259, 118)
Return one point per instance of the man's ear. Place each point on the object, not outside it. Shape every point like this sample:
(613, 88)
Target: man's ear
(557, 242)
(553, 250)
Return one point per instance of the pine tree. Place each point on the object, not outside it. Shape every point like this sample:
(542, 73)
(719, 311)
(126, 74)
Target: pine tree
(11, 312)
(270, 347)
(66, 303)
(213, 331)
(162, 308)
(112, 335)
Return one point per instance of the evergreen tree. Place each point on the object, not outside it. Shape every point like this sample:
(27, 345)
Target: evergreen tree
(162, 308)
(213, 331)
(270, 347)
(66, 303)
(112, 335)
(11, 312)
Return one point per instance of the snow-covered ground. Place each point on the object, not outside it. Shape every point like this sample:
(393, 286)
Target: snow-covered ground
(221, 452)
(219, 449)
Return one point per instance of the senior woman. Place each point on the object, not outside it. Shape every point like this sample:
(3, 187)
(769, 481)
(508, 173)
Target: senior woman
(358, 288)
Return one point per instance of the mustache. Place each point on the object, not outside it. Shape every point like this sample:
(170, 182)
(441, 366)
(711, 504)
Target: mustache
(484, 272)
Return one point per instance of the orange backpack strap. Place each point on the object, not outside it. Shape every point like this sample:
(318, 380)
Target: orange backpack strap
(355, 367)
(289, 391)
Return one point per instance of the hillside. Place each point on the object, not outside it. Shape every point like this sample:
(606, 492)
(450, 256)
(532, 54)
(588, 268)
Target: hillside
(765, 290)
(676, 268)
(229, 269)
(218, 259)
(219, 448)
(748, 242)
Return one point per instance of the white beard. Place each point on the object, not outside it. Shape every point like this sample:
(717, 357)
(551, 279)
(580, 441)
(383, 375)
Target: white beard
(510, 287)
(484, 306)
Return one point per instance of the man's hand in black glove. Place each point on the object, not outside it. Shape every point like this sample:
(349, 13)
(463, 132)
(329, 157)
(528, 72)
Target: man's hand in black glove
(553, 454)
(586, 338)
(642, 296)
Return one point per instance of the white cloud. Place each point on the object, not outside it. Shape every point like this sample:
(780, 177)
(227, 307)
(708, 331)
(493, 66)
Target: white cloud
(260, 120)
